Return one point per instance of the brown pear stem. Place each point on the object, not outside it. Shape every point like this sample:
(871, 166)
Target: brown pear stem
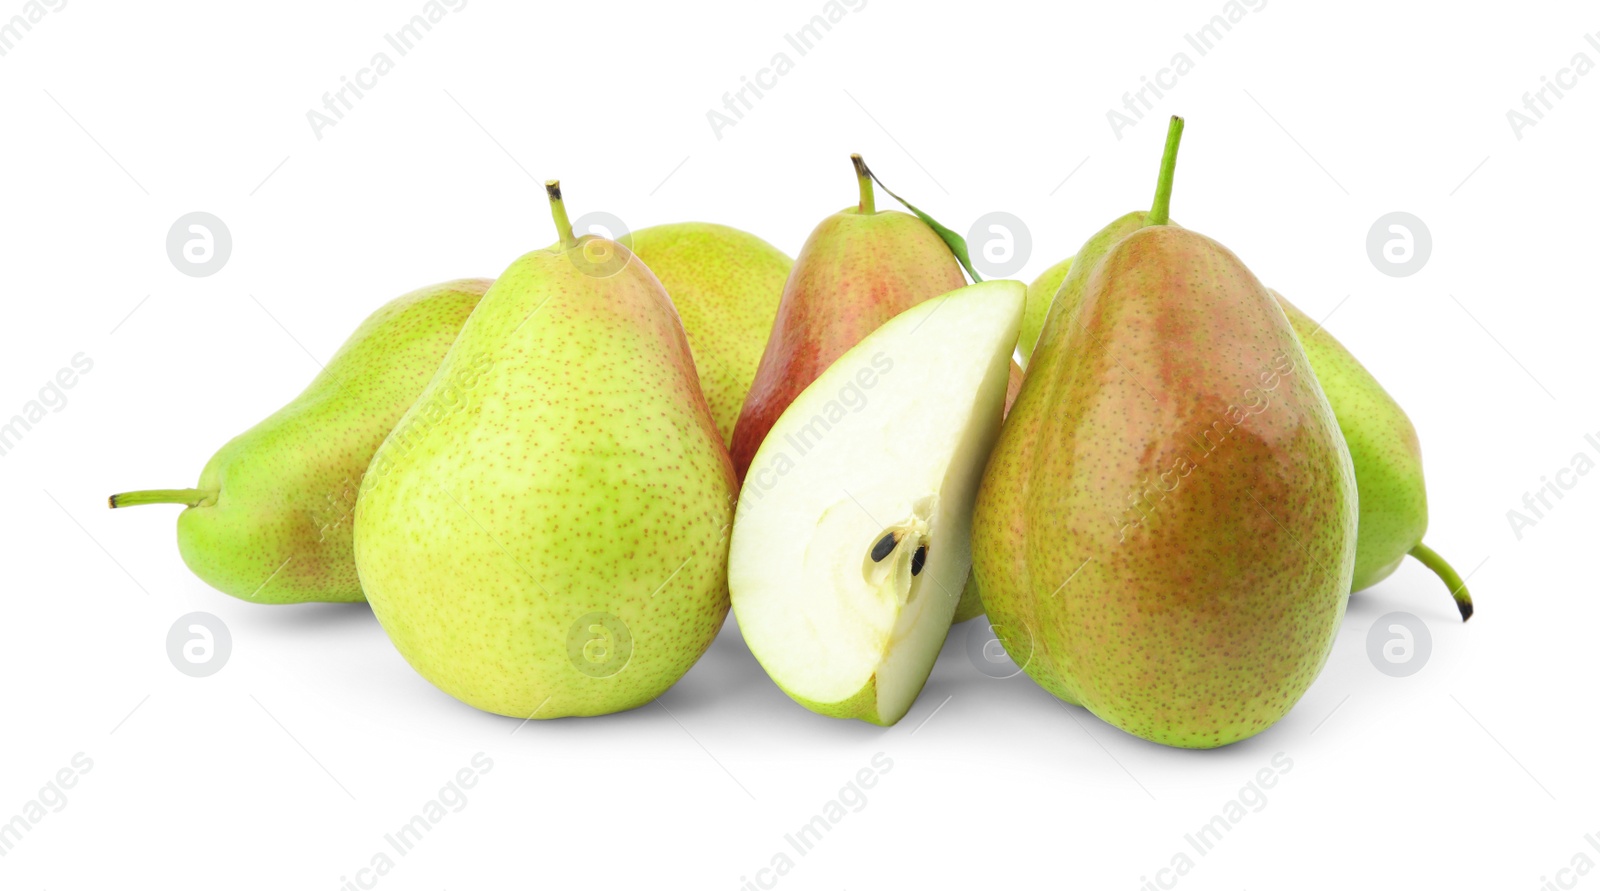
(1447, 573)
(1169, 163)
(558, 211)
(864, 181)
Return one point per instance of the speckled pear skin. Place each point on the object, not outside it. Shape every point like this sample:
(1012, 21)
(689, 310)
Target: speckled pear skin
(1383, 447)
(1041, 292)
(560, 472)
(855, 272)
(971, 604)
(1170, 512)
(278, 530)
(726, 285)
(1030, 425)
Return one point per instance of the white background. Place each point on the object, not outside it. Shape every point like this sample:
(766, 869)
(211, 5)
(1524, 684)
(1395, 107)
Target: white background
(286, 768)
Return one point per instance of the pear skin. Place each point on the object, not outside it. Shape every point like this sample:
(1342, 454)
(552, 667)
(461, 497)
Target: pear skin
(1041, 292)
(1383, 443)
(1169, 516)
(971, 604)
(1043, 358)
(726, 285)
(1387, 457)
(269, 521)
(1193, 617)
(545, 533)
(859, 268)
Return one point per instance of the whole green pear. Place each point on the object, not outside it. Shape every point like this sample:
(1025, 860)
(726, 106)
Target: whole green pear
(726, 285)
(858, 269)
(545, 532)
(1166, 530)
(1387, 457)
(269, 521)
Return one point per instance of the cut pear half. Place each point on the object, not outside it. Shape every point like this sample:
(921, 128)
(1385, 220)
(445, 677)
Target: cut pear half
(851, 541)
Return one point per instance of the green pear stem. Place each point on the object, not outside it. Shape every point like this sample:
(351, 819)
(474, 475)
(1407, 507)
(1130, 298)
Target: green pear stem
(864, 180)
(558, 212)
(189, 497)
(1458, 588)
(1169, 163)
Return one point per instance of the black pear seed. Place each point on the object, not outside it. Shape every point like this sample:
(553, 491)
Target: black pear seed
(919, 558)
(884, 547)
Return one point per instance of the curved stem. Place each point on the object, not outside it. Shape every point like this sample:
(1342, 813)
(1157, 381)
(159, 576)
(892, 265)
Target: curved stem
(1458, 588)
(864, 180)
(558, 212)
(189, 497)
(1169, 163)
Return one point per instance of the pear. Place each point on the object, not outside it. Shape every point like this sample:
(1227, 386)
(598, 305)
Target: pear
(971, 605)
(1166, 530)
(851, 541)
(859, 268)
(269, 521)
(1040, 293)
(545, 532)
(1388, 461)
(1382, 442)
(726, 285)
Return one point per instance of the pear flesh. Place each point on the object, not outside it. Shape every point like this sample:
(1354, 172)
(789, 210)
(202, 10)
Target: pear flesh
(270, 519)
(851, 542)
(545, 533)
